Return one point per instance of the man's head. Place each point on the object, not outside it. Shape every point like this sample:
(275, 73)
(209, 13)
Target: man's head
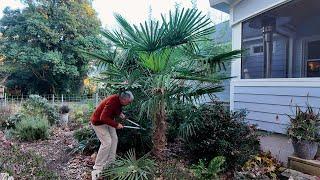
(126, 98)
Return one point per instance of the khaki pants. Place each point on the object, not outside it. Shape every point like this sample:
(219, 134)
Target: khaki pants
(107, 151)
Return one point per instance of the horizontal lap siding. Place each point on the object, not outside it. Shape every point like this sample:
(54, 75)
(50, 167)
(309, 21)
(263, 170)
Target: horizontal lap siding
(268, 106)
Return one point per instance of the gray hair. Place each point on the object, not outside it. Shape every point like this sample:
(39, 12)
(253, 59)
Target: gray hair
(127, 95)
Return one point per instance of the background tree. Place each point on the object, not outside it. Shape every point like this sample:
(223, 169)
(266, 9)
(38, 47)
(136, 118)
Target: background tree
(42, 40)
(164, 63)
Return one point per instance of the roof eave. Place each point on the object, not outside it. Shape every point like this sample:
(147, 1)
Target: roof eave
(222, 5)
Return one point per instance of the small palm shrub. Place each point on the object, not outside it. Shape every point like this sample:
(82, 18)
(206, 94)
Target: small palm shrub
(87, 140)
(214, 131)
(32, 128)
(304, 124)
(36, 105)
(211, 171)
(129, 167)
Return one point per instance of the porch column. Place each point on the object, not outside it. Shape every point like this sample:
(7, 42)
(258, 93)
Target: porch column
(268, 48)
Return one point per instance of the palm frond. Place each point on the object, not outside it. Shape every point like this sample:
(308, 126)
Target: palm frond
(214, 78)
(156, 61)
(217, 62)
(100, 57)
(185, 26)
(129, 167)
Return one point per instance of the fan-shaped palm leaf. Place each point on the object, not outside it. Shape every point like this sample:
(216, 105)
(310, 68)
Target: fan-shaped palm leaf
(186, 26)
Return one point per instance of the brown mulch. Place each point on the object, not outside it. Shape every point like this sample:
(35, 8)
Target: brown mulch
(56, 152)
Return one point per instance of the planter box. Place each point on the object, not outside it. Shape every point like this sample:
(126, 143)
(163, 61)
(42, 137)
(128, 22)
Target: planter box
(311, 167)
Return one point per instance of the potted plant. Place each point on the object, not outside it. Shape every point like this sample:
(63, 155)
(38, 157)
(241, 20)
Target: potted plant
(64, 114)
(304, 131)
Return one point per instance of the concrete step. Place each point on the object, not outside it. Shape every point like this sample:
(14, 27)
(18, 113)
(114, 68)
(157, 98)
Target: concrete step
(291, 174)
(311, 167)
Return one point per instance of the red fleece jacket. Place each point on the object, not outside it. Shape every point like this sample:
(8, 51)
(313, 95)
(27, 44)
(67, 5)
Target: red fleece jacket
(106, 111)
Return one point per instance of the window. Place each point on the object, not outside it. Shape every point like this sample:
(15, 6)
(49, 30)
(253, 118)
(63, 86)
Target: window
(281, 43)
(257, 49)
(313, 60)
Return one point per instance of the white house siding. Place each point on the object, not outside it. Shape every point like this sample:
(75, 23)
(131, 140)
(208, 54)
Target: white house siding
(268, 101)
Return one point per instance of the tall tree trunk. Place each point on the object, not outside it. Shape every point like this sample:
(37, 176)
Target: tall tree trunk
(160, 129)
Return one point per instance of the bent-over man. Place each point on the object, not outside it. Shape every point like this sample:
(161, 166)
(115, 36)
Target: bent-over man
(104, 125)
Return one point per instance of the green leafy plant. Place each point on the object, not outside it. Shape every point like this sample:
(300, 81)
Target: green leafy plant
(133, 138)
(5, 113)
(129, 167)
(32, 128)
(261, 166)
(304, 124)
(214, 131)
(13, 120)
(87, 140)
(211, 171)
(36, 105)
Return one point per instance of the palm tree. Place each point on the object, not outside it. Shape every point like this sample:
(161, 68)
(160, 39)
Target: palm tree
(167, 61)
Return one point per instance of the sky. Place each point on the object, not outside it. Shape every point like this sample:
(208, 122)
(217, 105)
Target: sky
(136, 11)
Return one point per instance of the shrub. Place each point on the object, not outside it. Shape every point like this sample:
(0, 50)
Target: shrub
(32, 128)
(211, 171)
(133, 138)
(87, 140)
(262, 166)
(129, 167)
(214, 131)
(36, 105)
(5, 113)
(64, 109)
(13, 120)
(81, 114)
(177, 115)
(304, 125)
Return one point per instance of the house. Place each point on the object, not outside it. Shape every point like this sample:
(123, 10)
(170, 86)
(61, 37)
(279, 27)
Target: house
(281, 64)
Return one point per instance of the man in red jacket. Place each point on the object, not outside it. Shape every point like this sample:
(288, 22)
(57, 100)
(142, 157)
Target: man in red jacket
(105, 126)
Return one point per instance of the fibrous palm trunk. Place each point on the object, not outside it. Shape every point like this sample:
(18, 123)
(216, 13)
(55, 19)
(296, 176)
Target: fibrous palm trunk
(160, 128)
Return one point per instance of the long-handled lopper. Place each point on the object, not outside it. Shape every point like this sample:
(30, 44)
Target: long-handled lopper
(137, 126)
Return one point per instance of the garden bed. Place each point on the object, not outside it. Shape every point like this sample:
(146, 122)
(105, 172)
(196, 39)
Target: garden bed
(50, 157)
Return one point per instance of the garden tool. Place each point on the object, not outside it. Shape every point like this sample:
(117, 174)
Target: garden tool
(137, 126)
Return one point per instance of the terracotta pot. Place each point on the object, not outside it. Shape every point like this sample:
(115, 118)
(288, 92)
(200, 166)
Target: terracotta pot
(305, 149)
